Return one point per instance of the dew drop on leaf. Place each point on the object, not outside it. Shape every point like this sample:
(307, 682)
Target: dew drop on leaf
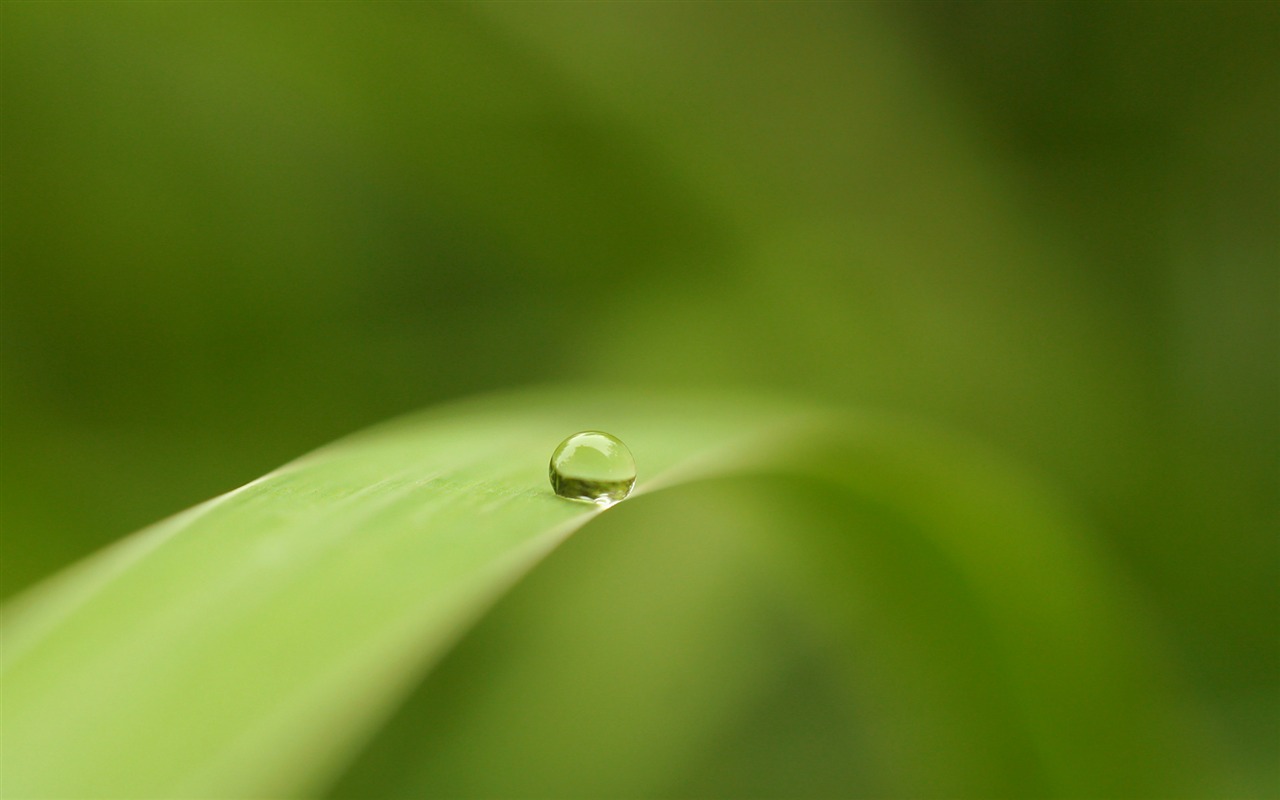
(593, 466)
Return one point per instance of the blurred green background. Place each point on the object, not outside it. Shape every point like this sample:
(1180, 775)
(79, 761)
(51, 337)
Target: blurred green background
(233, 232)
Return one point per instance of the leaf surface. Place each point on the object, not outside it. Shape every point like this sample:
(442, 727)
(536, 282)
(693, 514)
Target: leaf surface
(255, 644)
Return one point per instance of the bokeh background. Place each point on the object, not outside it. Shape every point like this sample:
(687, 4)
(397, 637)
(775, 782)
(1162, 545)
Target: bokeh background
(233, 232)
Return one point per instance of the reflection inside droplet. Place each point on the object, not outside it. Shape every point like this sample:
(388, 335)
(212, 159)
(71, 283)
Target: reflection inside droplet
(593, 466)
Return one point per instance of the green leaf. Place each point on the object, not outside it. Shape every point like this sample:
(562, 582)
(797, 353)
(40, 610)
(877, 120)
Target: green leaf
(256, 645)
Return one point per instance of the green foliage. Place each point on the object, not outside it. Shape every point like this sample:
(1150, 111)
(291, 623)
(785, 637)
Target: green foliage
(233, 232)
(781, 576)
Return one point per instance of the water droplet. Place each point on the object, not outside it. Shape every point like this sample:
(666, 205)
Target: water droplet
(593, 466)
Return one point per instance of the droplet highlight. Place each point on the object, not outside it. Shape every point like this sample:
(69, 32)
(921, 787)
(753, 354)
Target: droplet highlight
(593, 466)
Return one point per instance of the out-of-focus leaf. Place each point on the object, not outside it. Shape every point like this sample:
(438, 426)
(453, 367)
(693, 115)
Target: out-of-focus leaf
(868, 614)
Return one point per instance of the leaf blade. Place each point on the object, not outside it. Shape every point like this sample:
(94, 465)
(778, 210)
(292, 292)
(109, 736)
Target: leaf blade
(250, 646)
